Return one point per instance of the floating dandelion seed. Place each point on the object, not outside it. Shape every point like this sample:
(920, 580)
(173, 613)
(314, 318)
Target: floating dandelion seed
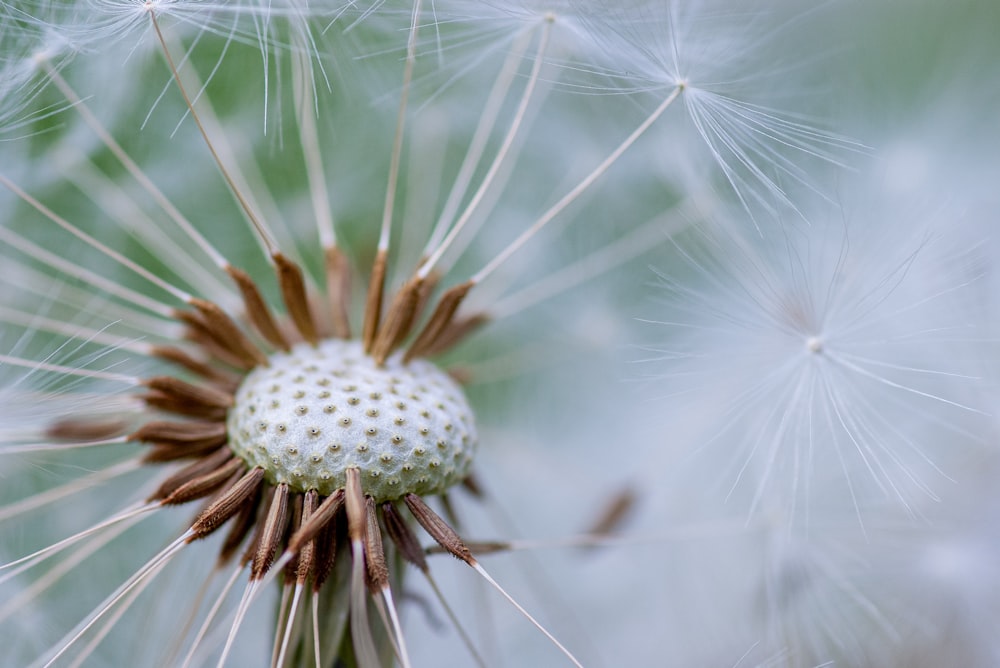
(844, 351)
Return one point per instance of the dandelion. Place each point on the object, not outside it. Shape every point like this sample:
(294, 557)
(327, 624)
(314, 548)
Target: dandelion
(187, 359)
(291, 429)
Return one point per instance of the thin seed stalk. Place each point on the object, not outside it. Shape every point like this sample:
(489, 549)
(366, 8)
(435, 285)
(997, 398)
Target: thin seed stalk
(336, 646)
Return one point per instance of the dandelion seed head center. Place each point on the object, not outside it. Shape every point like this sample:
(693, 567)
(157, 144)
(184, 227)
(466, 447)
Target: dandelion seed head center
(315, 412)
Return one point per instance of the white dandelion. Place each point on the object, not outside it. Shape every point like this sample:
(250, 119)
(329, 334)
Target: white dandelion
(206, 342)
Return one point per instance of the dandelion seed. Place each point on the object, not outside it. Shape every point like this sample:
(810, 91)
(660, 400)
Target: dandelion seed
(718, 56)
(831, 350)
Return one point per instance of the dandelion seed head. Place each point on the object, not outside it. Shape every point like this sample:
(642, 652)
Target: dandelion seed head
(281, 421)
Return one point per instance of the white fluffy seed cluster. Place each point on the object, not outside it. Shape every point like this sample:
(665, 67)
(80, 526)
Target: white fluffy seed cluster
(317, 411)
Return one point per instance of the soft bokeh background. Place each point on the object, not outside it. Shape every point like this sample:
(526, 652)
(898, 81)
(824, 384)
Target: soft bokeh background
(790, 510)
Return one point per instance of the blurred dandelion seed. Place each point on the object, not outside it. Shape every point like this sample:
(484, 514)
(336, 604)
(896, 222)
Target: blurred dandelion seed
(834, 351)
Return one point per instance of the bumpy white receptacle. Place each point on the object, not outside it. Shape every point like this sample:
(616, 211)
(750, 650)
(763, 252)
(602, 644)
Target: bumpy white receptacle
(317, 411)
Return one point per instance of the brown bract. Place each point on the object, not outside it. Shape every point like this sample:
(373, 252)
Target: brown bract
(309, 531)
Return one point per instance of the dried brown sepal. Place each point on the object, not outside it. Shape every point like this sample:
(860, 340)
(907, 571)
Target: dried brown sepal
(164, 432)
(324, 515)
(378, 572)
(373, 300)
(266, 494)
(224, 487)
(195, 328)
(430, 282)
(454, 333)
(171, 404)
(189, 392)
(204, 484)
(354, 499)
(272, 534)
(183, 359)
(438, 529)
(326, 549)
(338, 289)
(177, 396)
(306, 559)
(614, 513)
(197, 332)
(159, 454)
(85, 429)
(293, 291)
(190, 472)
(398, 320)
(439, 320)
(240, 528)
(228, 504)
(294, 521)
(403, 537)
(257, 310)
(224, 332)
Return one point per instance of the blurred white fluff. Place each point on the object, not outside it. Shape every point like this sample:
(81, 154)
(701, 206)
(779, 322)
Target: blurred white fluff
(819, 414)
(846, 349)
